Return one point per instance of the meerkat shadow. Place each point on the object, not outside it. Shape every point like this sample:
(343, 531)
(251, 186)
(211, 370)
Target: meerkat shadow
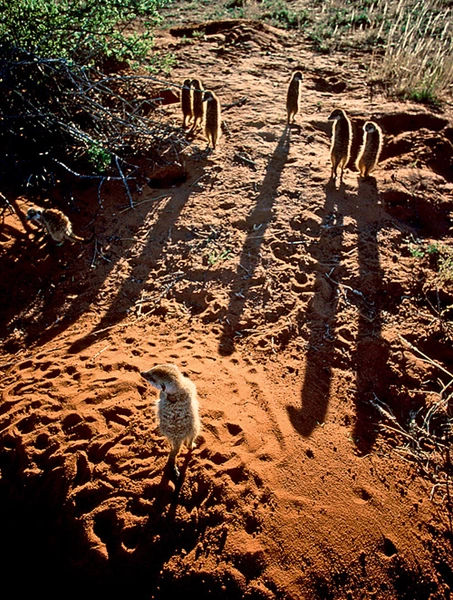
(177, 476)
(368, 180)
(367, 186)
(332, 186)
(292, 128)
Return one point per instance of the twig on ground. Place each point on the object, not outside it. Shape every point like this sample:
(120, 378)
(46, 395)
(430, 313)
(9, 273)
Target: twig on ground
(424, 356)
(124, 179)
(93, 260)
(100, 352)
(144, 202)
(244, 160)
(240, 102)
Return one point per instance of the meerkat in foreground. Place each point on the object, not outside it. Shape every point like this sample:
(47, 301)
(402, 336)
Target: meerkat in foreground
(293, 97)
(212, 121)
(370, 150)
(198, 105)
(177, 409)
(340, 149)
(56, 223)
(186, 102)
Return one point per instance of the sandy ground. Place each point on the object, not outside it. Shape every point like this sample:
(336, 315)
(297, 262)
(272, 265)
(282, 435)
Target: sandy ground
(283, 297)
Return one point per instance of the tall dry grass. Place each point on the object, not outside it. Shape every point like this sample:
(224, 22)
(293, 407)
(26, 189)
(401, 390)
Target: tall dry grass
(411, 40)
(418, 55)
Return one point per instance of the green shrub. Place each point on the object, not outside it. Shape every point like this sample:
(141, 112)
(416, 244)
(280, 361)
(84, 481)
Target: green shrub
(79, 30)
(56, 104)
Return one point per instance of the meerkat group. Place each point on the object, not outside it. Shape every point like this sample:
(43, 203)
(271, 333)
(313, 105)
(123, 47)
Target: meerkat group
(340, 149)
(55, 223)
(177, 409)
(202, 107)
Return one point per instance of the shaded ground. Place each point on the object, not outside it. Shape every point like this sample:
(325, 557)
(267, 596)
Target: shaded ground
(284, 299)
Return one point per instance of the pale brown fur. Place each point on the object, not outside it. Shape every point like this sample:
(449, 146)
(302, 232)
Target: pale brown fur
(177, 408)
(340, 149)
(186, 102)
(198, 104)
(370, 150)
(293, 97)
(212, 120)
(55, 222)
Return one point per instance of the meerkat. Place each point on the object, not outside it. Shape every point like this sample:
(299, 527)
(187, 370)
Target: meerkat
(212, 118)
(293, 97)
(370, 150)
(340, 149)
(177, 409)
(56, 223)
(186, 102)
(198, 105)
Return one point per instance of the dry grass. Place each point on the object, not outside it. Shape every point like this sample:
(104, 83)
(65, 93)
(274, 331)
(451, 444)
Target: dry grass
(418, 58)
(411, 40)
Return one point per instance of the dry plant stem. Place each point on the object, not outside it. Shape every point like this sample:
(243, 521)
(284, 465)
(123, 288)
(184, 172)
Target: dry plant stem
(245, 160)
(240, 102)
(449, 504)
(425, 357)
(93, 260)
(161, 197)
(128, 191)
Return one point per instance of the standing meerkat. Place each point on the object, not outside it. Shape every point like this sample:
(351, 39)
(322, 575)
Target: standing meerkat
(186, 102)
(340, 149)
(293, 97)
(370, 150)
(177, 409)
(56, 223)
(198, 105)
(212, 118)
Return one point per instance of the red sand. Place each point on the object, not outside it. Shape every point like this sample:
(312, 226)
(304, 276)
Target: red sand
(283, 299)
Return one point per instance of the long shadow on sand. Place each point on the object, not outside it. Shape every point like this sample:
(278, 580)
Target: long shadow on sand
(371, 354)
(257, 222)
(127, 293)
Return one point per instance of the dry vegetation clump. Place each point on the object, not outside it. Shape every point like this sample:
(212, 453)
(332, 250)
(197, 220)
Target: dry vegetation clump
(418, 58)
(69, 105)
(426, 437)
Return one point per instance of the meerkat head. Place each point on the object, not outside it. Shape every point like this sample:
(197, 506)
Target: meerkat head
(34, 214)
(369, 127)
(337, 115)
(196, 84)
(163, 377)
(298, 76)
(208, 96)
(187, 83)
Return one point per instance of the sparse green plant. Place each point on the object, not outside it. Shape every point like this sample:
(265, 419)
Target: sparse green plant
(220, 256)
(440, 255)
(416, 251)
(279, 13)
(100, 158)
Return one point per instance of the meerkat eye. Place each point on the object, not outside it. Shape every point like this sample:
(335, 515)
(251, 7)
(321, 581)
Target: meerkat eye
(162, 385)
